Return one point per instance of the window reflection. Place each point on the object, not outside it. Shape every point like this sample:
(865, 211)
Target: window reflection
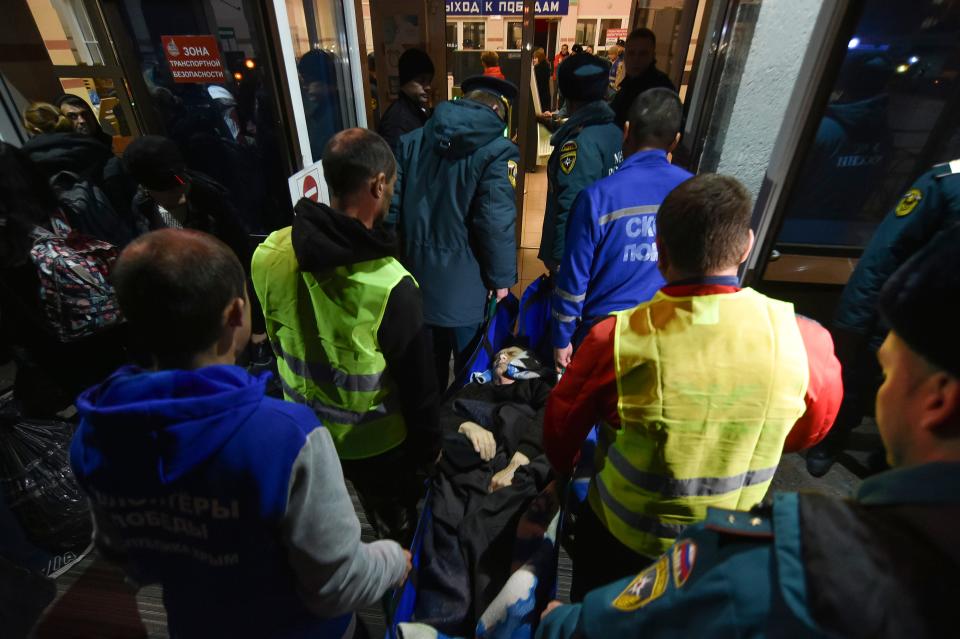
(319, 45)
(66, 31)
(887, 120)
(474, 38)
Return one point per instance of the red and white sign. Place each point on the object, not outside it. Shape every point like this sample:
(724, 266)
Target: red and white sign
(193, 59)
(310, 189)
(613, 35)
(309, 183)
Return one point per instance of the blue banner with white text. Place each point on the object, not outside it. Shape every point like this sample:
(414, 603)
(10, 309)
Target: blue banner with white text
(505, 7)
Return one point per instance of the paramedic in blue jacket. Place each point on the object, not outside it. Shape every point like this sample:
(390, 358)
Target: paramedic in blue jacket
(610, 262)
(884, 564)
(585, 148)
(455, 209)
(930, 205)
(233, 501)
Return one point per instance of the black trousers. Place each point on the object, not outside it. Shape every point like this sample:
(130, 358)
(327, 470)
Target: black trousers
(389, 488)
(598, 557)
(459, 342)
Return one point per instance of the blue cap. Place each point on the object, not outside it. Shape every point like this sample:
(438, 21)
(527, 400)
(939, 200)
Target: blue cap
(916, 301)
(583, 77)
(490, 84)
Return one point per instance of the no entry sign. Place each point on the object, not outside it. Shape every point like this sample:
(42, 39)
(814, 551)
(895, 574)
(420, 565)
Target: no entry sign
(310, 189)
(193, 58)
(309, 183)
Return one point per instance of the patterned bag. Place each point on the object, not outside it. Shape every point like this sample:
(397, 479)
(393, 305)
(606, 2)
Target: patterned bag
(75, 293)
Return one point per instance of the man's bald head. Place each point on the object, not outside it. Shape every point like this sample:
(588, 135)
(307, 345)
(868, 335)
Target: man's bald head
(354, 157)
(173, 287)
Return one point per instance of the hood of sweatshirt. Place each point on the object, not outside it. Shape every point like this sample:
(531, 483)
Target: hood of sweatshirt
(460, 127)
(324, 238)
(151, 428)
(74, 152)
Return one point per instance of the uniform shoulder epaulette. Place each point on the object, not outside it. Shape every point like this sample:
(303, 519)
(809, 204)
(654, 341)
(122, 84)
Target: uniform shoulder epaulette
(756, 523)
(941, 171)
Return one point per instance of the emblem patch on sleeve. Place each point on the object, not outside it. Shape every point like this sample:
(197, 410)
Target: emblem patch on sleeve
(648, 586)
(512, 173)
(568, 156)
(684, 556)
(909, 202)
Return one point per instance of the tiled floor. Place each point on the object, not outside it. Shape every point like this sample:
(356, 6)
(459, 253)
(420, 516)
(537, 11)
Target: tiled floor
(529, 267)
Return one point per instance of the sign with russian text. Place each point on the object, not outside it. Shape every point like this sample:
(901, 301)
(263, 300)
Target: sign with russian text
(615, 34)
(193, 59)
(505, 7)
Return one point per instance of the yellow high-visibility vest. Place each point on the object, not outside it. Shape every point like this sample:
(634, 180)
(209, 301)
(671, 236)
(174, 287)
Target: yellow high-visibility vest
(709, 388)
(323, 327)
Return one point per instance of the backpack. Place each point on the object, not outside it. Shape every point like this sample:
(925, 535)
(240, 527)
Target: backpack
(89, 210)
(76, 297)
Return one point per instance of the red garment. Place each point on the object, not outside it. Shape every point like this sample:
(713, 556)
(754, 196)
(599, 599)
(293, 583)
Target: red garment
(557, 59)
(588, 393)
(495, 72)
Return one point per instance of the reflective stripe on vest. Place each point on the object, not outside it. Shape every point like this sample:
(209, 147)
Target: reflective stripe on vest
(709, 388)
(324, 330)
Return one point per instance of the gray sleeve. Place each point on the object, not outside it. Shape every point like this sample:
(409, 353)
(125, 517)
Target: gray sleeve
(336, 572)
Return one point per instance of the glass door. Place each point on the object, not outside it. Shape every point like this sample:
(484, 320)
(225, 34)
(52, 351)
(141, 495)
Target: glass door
(882, 111)
(85, 63)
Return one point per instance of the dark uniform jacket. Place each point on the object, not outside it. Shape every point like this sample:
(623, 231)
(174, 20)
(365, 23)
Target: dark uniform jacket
(630, 88)
(586, 148)
(883, 565)
(931, 205)
(455, 209)
(400, 118)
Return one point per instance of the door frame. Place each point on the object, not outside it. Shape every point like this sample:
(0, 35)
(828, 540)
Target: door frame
(819, 70)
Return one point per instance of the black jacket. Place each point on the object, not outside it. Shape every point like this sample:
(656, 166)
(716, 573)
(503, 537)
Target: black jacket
(542, 72)
(630, 88)
(209, 210)
(401, 117)
(90, 159)
(323, 239)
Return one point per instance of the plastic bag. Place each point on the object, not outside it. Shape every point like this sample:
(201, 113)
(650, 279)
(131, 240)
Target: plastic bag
(38, 485)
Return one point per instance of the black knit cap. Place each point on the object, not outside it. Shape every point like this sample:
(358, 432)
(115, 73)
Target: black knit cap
(154, 162)
(414, 62)
(584, 77)
(920, 301)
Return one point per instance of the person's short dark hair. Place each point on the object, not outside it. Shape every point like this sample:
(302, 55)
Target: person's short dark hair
(704, 223)
(155, 162)
(173, 286)
(352, 157)
(488, 99)
(489, 58)
(644, 33)
(577, 48)
(655, 117)
(318, 65)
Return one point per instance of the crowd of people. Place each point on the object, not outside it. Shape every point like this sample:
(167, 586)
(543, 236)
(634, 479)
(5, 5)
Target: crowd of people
(234, 499)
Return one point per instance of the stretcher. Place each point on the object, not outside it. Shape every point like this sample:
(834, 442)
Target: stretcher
(498, 333)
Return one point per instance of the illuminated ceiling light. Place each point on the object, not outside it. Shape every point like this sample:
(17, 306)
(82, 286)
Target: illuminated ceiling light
(903, 68)
(913, 59)
(854, 43)
(249, 63)
(238, 76)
